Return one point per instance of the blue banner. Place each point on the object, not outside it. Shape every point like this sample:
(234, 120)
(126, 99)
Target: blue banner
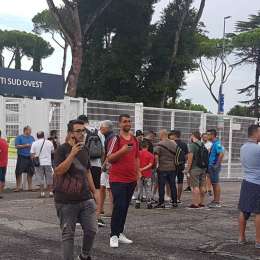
(20, 83)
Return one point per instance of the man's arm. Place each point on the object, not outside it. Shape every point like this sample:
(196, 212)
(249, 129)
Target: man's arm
(18, 144)
(117, 155)
(220, 158)
(63, 167)
(92, 186)
(147, 167)
(190, 160)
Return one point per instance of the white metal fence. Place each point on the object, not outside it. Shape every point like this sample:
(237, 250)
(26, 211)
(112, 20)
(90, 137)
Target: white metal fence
(50, 115)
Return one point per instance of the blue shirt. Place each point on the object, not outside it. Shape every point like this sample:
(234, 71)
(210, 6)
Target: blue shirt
(216, 149)
(24, 139)
(250, 160)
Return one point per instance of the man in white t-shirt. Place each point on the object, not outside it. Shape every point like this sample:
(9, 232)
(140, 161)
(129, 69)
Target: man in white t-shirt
(43, 149)
(208, 145)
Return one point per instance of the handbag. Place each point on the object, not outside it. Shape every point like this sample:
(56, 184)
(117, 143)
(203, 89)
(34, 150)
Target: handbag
(36, 159)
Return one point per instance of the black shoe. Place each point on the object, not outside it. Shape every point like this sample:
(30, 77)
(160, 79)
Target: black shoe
(101, 223)
(149, 206)
(175, 205)
(188, 189)
(159, 206)
(137, 204)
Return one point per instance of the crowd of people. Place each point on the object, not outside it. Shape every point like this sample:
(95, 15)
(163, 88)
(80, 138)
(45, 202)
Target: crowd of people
(147, 170)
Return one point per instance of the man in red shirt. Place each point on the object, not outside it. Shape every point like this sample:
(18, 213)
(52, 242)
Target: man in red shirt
(3, 163)
(145, 183)
(123, 154)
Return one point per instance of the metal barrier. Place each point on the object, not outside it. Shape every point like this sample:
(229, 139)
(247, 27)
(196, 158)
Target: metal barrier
(47, 115)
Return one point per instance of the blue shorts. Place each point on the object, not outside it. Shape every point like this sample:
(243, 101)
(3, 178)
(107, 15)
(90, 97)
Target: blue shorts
(214, 174)
(2, 174)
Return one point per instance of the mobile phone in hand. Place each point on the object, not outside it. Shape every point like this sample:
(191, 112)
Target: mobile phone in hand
(130, 146)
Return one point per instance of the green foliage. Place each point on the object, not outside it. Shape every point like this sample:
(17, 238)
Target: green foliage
(187, 105)
(126, 57)
(44, 22)
(247, 44)
(115, 50)
(25, 44)
(241, 111)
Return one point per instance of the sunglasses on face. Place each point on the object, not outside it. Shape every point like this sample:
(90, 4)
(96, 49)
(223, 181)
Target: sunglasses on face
(79, 131)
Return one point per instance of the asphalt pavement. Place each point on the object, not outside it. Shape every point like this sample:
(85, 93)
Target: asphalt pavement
(29, 231)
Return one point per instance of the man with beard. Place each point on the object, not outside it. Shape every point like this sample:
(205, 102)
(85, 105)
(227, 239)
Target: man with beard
(123, 154)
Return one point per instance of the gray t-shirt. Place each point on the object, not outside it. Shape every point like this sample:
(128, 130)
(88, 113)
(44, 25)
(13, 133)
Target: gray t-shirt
(166, 158)
(250, 159)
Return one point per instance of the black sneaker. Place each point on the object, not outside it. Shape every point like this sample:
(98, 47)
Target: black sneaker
(188, 189)
(101, 223)
(137, 204)
(149, 206)
(159, 206)
(175, 205)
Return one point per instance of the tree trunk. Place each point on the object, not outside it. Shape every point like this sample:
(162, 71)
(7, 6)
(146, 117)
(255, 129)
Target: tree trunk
(257, 76)
(65, 50)
(73, 77)
(175, 50)
(17, 59)
(36, 64)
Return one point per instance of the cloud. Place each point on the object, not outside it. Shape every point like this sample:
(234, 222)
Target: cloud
(18, 8)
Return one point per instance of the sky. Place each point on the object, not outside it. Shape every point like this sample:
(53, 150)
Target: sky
(17, 14)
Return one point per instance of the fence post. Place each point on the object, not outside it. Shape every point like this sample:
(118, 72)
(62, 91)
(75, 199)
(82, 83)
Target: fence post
(172, 120)
(203, 123)
(139, 116)
(85, 106)
(3, 115)
(230, 147)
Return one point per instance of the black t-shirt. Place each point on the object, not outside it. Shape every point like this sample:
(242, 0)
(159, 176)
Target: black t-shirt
(183, 146)
(72, 187)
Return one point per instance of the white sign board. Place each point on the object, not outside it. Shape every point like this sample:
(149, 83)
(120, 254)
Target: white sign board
(236, 127)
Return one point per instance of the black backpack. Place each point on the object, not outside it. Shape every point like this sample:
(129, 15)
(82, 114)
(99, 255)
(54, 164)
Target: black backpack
(94, 144)
(202, 157)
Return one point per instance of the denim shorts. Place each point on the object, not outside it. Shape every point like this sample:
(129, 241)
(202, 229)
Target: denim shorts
(214, 172)
(2, 174)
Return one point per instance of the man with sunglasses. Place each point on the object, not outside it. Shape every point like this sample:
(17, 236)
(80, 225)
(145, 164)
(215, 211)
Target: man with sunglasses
(123, 154)
(74, 191)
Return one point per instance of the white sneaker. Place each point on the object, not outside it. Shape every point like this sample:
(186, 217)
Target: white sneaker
(124, 240)
(114, 241)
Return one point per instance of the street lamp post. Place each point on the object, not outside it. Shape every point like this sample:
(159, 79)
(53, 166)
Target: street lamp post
(221, 101)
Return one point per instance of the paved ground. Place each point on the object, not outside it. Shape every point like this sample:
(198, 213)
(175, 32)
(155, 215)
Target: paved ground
(29, 230)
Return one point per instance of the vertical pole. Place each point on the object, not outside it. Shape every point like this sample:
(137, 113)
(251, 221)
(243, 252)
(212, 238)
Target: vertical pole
(230, 147)
(203, 123)
(139, 112)
(173, 120)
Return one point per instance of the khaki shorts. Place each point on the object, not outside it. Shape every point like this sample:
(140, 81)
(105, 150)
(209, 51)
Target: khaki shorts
(198, 178)
(43, 174)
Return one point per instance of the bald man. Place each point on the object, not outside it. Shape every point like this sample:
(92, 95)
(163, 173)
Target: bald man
(165, 158)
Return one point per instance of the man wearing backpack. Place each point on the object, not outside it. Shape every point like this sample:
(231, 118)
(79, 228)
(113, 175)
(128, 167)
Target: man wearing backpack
(197, 166)
(215, 159)
(175, 135)
(165, 157)
(123, 154)
(95, 144)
